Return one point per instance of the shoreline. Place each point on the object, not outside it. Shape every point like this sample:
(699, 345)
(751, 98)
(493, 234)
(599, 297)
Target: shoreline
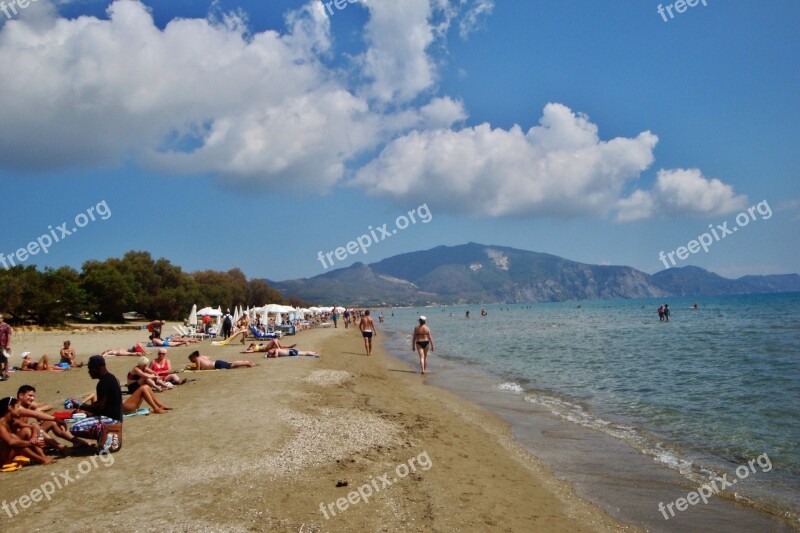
(604, 470)
(276, 440)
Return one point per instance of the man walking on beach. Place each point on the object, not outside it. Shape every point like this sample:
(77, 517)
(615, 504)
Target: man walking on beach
(367, 327)
(227, 323)
(5, 348)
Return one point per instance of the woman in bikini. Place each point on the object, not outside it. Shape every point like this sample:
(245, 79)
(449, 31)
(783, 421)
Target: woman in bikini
(43, 364)
(162, 366)
(141, 375)
(421, 341)
(67, 354)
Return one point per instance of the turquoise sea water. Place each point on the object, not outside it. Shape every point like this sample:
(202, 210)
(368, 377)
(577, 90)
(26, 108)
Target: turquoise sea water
(705, 393)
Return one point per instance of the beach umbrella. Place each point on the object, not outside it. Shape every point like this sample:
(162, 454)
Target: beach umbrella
(278, 319)
(236, 315)
(193, 316)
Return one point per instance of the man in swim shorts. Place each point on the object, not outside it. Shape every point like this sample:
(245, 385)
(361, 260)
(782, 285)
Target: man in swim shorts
(204, 363)
(367, 327)
(290, 352)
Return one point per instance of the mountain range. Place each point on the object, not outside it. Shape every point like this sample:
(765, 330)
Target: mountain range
(478, 273)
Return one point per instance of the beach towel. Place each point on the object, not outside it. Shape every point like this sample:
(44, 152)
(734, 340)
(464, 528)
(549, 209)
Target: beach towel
(144, 411)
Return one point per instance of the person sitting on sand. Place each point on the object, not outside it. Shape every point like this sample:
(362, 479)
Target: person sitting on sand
(143, 394)
(67, 354)
(11, 444)
(290, 352)
(29, 408)
(137, 349)
(162, 367)
(201, 362)
(42, 365)
(142, 375)
(273, 343)
(106, 402)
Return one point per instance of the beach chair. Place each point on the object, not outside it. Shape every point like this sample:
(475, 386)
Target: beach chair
(194, 333)
(254, 332)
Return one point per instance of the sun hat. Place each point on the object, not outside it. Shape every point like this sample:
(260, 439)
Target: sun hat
(24, 354)
(422, 317)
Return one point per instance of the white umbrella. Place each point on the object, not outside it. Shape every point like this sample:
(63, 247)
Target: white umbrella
(209, 311)
(193, 316)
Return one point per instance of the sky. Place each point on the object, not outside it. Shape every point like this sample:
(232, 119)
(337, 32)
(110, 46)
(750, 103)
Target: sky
(288, 139)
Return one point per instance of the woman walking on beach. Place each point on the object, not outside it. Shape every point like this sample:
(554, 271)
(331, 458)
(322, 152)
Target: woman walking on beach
(421, 341)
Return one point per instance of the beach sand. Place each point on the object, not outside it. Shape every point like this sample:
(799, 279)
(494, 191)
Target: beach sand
(261, 449)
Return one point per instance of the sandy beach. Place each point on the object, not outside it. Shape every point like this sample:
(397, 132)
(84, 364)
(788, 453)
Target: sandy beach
(264, 449)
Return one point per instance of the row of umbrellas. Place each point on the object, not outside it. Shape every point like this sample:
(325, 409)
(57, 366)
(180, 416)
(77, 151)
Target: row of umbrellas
(269, 309)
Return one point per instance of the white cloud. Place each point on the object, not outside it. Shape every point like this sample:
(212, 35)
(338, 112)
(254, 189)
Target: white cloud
(474, 15)
(198, 96)
(398, 35)
(210, 96)
(681, 192)
(560, 167)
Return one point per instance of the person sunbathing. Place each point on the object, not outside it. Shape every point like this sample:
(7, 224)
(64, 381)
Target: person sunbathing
(273, 343)
(142, 375)
(170, 342)
(162, 367)
(28, 365)
(290, 352)
(137, 349)
(201, 362)
(67, 354)
(11, 444)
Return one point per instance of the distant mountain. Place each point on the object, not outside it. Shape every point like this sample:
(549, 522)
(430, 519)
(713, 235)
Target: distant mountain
(477, 273)
(695, 281)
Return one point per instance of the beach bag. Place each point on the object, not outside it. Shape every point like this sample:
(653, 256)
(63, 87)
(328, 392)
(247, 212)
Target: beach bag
(110, 438)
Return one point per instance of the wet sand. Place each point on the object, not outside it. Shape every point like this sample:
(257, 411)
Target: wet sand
(264, 449)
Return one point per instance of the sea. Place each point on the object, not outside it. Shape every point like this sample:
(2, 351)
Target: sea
(635, 412)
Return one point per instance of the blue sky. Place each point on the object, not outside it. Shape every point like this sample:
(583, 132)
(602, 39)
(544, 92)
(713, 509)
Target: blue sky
(255, 134)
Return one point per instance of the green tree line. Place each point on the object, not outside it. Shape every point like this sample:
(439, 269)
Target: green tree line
(103, 290)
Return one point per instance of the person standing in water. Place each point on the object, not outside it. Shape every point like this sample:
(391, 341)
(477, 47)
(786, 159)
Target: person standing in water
(367, 327)
(421, 341)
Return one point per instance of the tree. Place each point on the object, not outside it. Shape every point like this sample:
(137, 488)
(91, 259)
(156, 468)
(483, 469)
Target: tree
(110, 292)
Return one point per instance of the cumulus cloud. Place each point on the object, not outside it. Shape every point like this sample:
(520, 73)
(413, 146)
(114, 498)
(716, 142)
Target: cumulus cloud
(264, 108)
(560, 167)
(398, 35)
(681, 192)
(199, 95)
